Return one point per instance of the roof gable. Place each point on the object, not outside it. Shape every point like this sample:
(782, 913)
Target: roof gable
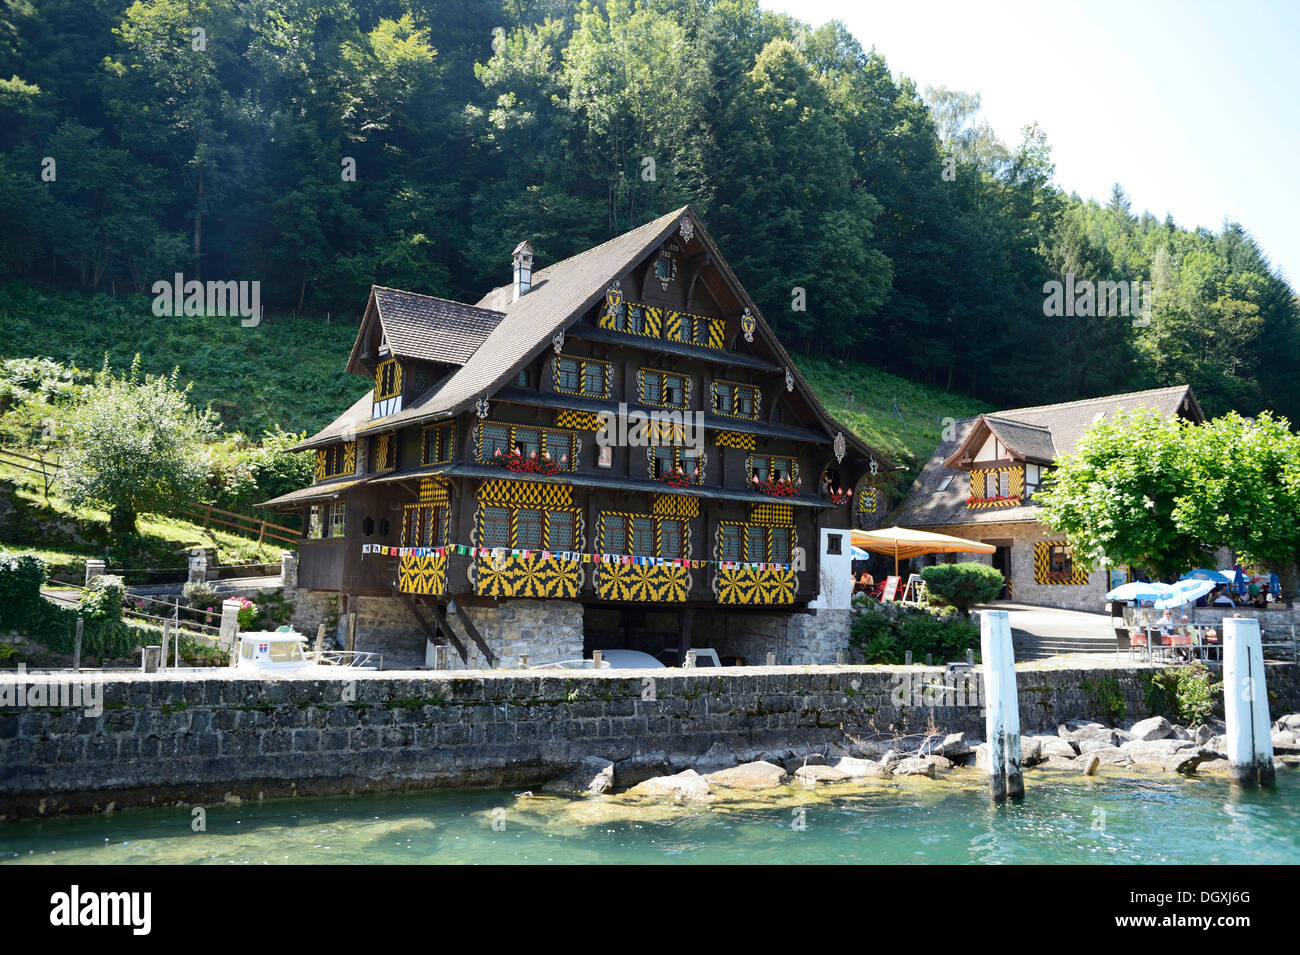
(423, 327)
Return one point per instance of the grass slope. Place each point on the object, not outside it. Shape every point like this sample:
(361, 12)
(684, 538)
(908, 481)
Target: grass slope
(289, 372)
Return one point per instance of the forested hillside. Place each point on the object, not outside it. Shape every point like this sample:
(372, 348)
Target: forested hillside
(320, 146)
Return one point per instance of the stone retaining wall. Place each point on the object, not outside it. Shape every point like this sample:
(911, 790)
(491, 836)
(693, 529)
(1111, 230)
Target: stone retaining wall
(162, 740)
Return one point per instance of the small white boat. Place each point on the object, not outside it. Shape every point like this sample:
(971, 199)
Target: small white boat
(280, 651)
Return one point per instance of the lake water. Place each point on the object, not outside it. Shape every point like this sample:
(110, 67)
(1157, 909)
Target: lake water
(1064, 819)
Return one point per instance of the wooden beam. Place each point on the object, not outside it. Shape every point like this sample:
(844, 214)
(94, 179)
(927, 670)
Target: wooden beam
(475, 635)
(432, 630)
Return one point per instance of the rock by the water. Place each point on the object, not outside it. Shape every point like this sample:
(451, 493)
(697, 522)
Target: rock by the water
(792, 766)
(1183, 732)
(820, 773)
(1203, 735)
(1188, 760)
(1031, 750)
(639, 768)
(1091, 764)
(1286, 742)
(1157, 727)
(940, 762)
(1289, 722)
(889, 758)
(1110, 756)
(1054, 746)
(1060, 762)
(592, 777)
(1091, 736)
(915, 766)
(756, 775)
(862, 768)
(686, 785)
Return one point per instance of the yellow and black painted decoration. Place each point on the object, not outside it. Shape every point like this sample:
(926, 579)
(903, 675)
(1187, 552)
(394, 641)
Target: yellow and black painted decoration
(558, 444)
(606, 376)
(388, 379)
(755, 395)
(741, 584)
(1078, 576)
(532, 577)
(984, 484)
(674, 505)
(734, 439)
(385, 460)
(438, 443)
(335, 460)
(687, 465)
(425, 574)
(654, 583)
(678, 327)
(644, 373)
(867, 500)
(772, 515)
(578, 420)
(543, 494)
(434, 493)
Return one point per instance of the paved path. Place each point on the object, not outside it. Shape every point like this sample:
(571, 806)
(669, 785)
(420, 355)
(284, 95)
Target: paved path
(1043, 632)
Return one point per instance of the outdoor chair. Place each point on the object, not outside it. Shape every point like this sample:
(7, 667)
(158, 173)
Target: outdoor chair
(1122, 641)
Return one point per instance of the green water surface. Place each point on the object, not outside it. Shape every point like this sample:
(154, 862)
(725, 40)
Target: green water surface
(1065, 818)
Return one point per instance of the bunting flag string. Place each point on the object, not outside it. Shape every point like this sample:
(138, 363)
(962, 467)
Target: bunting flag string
(466, 550)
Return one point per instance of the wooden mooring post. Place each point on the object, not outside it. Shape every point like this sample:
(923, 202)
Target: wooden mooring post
(1245, 704)
(1002, 709)
(76, 647)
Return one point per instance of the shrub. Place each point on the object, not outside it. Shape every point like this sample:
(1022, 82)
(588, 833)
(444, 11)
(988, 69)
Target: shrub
(247, 613)
(199, 594)
(102, 603)
(135, 443)
(24, 609)
(882, 633)
(963, 585)
(1184, 694)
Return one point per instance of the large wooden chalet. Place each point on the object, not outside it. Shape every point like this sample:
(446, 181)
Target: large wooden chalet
(482, 470)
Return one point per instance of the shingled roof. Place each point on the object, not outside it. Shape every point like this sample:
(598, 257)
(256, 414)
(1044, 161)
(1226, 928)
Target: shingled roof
(931, 504)
(426, 327)
(522, 329)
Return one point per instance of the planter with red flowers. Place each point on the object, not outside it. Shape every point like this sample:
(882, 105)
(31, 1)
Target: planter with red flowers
(780, 487)
(995, 499)
(530, 464)
(836, 496)
(679, 478)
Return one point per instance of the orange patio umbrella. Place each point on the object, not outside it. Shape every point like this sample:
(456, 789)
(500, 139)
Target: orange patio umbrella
(904, 543)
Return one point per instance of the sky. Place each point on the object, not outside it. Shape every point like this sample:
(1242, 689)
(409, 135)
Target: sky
(1193, 107)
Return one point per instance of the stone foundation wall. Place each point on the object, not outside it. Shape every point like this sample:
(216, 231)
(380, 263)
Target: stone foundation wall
(160, 740)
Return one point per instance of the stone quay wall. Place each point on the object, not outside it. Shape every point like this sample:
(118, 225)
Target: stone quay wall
(160, 740)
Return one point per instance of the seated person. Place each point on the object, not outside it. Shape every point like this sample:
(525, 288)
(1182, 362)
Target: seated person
(1165, 623)
(1222, 599)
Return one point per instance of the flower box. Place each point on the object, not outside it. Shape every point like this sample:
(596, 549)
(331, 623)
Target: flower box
(837, 496)
(781, 487)
(679, 478)
(531, 464)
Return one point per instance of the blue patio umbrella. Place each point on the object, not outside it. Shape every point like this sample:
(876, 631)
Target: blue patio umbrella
(1186, 591)
(1234, 578)
(1202, 573)
(858, 553)
(1139, 590)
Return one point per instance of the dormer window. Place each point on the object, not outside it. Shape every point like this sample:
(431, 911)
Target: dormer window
(388, 389)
